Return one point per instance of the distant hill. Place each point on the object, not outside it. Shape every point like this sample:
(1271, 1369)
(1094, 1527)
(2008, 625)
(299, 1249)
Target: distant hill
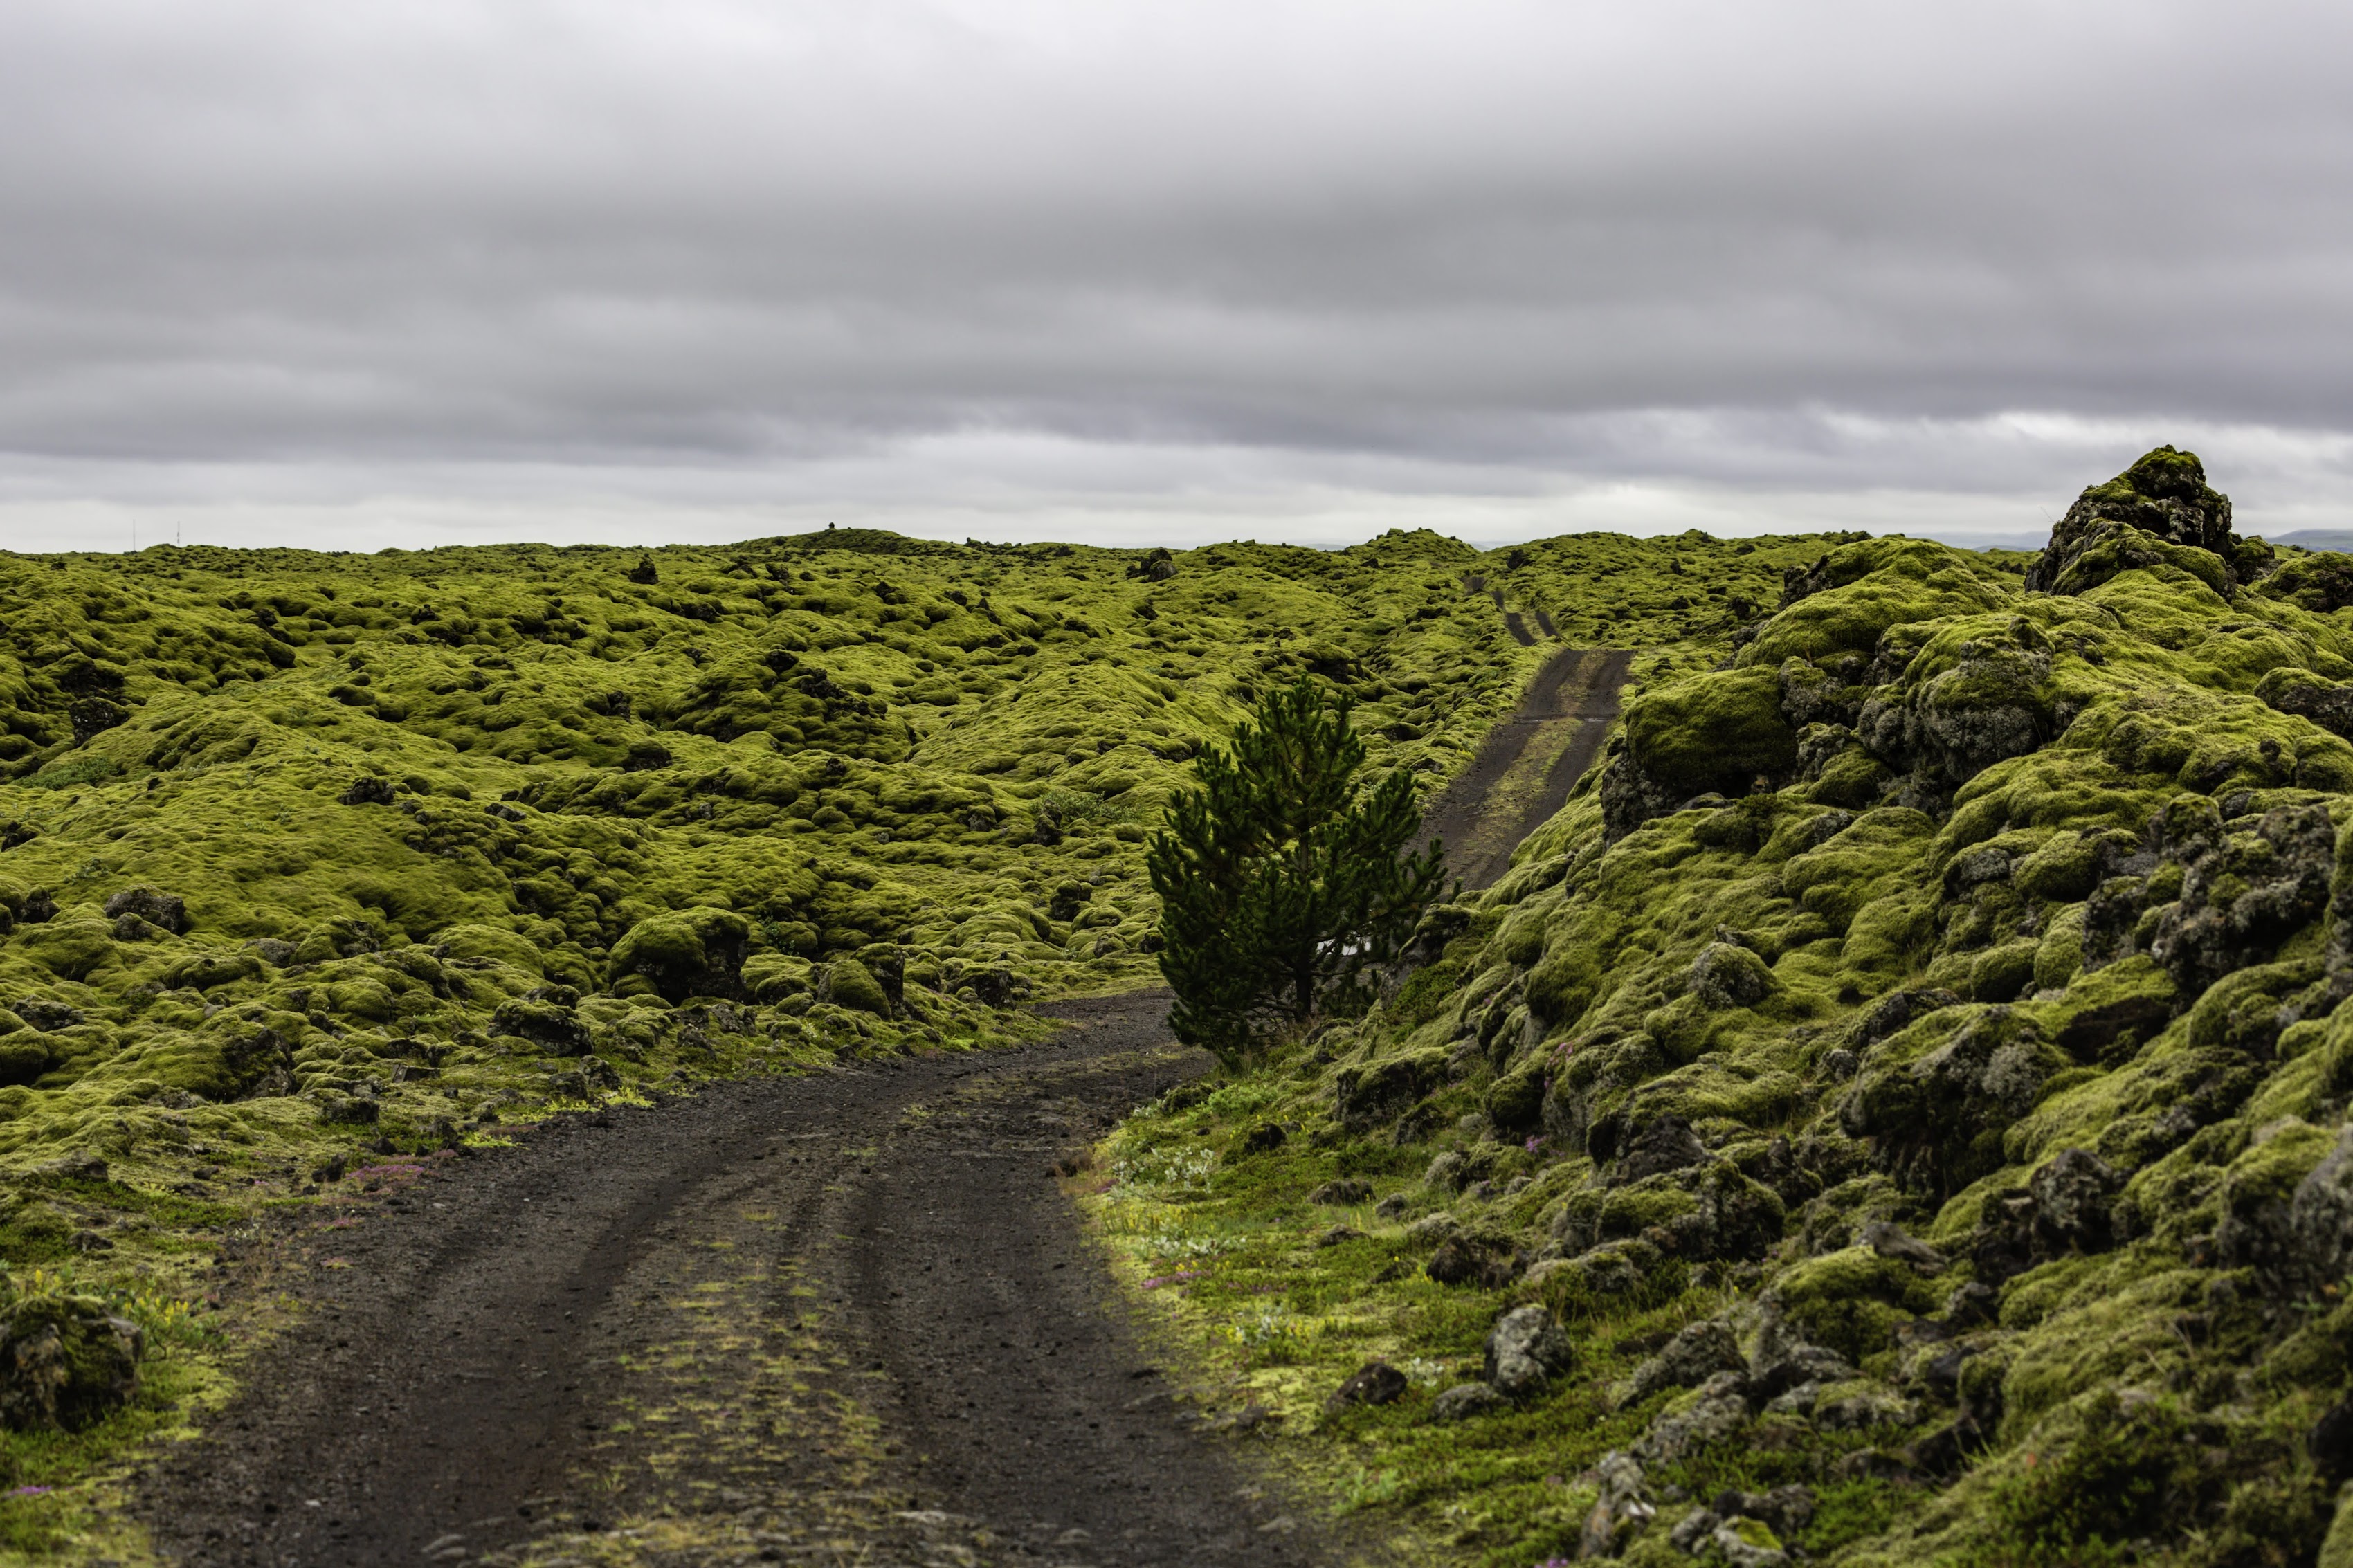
(2336, 539)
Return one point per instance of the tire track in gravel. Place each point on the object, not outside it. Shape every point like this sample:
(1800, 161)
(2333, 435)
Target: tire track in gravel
(844, 1317)
(1528, 763)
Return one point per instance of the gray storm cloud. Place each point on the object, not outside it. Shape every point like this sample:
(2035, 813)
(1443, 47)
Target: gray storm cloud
(1116, 268)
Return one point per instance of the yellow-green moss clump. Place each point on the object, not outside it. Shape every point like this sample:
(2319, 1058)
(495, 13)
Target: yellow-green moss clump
(302, 851)
(1914, 1068)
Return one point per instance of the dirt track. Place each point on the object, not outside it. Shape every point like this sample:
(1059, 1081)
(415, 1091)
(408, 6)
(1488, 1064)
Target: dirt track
(846, 1317)
(1529, 762)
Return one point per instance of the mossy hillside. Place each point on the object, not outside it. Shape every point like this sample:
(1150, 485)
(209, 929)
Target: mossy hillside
(307, 855)
(1978, 1069)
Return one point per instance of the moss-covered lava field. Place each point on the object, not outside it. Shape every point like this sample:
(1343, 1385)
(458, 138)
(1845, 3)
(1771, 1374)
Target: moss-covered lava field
(319, 867)
(1894, 1112)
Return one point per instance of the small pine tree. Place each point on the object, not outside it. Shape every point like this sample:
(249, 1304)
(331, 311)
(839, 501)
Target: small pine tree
(1281, 880)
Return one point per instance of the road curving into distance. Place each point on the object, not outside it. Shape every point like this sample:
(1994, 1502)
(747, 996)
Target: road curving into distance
(1528, 763)
(847, 1316)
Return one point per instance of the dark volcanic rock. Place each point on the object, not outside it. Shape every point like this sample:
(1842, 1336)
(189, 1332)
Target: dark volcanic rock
(2164, 497)
(368, 789)
(2245, 895)
(1263, 1138)
(1895, 1010)
(1376, 1382)
(1697, 1352)
(1936, 1122)
(82, 1166)
(1728, 975)
(2072, 1193)
(47, 1017)
(1526, 1349)
(1364, 1097)
(1471, 1261)
(1663, 1144)
(557, 1028)
(2329, 1443)
(1620, 1512)
(1466, 1400)
(2327, 703)
(1890, 1240)
(158, 909)
(2094, 1033)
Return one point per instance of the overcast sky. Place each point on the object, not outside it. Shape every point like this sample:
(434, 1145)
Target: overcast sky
(411, 271)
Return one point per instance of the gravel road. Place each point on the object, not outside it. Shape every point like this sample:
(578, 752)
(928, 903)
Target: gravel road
(846, 1317)
(1528, 763)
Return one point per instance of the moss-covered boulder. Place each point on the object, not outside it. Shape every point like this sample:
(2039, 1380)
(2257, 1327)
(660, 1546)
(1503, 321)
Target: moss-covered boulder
(25, 1053)
(1842, 605)
(472, 942)
(1720, 733)
(554, 1028)
(848, 984)
(1526, 1350)
(72, 947)
(1725, 975)
(2319, 583)
(2244, 891)
(1363, 1098)
(1850, 1301)
(1709, 1210)
(773, 976)
(1936, 1099)
(207, 968)
(1514, 1103)
(1957, 715)
(697, 952)
(65, 1361)
(2163, 499)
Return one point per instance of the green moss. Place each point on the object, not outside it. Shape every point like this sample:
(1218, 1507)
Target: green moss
(1713, 731)
(2102, 1474)
(73, 946)
(851, 984)
(1866, 589)
(2001, 973)
(1851, 1301)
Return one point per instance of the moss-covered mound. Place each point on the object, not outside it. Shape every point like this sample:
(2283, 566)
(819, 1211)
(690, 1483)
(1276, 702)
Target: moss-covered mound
(1913, 1069)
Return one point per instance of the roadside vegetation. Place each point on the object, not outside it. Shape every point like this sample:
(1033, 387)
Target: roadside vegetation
(1284, 880)
(316, 867)
(1894, 1113)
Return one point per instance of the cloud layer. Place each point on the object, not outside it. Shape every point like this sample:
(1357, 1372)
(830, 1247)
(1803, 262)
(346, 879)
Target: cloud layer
(1287, 267)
